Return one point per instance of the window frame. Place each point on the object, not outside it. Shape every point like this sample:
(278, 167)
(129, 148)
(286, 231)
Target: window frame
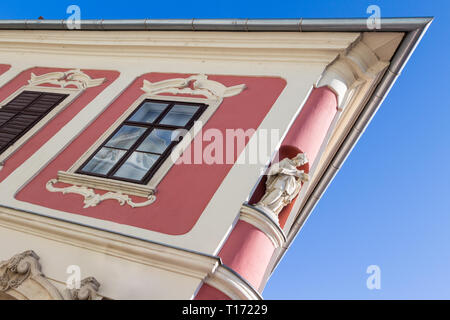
(72, 94)
(149, 128)
(142, 190)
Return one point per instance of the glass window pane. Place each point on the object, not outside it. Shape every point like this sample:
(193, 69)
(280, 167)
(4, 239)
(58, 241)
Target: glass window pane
(157, 141)
(103, 161)
(136, 166)
(125, 137)
(179, 115)
(148, 112)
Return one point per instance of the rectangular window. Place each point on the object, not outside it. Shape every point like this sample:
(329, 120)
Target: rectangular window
(136, 149)
(23, 112)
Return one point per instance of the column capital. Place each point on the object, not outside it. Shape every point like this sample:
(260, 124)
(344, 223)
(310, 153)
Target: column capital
(356, 65)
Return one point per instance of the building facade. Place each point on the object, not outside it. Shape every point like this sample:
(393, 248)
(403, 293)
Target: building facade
(176, 159)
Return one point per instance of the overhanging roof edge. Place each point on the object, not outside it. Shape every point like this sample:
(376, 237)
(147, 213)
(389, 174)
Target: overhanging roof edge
(268, 25)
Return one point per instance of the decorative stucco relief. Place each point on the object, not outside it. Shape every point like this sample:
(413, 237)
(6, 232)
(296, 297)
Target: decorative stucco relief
(21, 278)
(92, 199)
(18, 269)
(201, 85)
(74, 77)
(87, 291)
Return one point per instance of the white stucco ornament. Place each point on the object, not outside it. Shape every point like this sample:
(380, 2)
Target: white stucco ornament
(92, 199)
(283, 184)
(21, 278)
(201, 85)
(74, 77)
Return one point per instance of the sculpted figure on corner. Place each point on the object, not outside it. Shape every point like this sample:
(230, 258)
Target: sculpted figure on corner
(283, 183)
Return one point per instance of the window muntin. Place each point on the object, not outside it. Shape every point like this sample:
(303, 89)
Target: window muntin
(135, 150)
(19, 115)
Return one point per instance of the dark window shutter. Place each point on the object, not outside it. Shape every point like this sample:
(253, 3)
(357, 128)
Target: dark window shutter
(20, 114)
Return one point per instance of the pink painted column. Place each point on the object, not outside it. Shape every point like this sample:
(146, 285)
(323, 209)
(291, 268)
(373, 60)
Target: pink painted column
(207, 292)
(306, 134)
(311, 126)
(248, 250)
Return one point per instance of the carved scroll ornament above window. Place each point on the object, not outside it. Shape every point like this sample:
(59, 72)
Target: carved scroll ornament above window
(201, 85)
(74, 77)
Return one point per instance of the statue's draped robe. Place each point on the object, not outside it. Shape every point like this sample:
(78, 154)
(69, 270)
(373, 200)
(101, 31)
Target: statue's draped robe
(283, 176)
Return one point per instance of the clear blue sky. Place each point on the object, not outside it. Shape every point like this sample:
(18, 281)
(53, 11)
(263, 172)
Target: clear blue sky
(390, 203)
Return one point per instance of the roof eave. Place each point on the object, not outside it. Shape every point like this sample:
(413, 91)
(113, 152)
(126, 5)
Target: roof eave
(269, 25)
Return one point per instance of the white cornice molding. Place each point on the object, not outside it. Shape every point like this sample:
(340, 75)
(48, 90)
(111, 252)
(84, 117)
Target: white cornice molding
(351, 69)
(206, 268)
(74, 77)
(201, 85)
(263, 222)
(148, 253)
(317, 47)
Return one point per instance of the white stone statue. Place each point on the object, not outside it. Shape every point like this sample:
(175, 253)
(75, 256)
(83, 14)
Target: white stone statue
(283, 184)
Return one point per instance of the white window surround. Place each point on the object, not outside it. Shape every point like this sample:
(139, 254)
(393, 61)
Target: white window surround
(147, 191)
(83, 185)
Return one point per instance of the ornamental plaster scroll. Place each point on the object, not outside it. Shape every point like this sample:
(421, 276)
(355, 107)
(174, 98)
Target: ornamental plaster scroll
(92, 199)
(74, 77)
(87, 291)
(21, 278)
(201, 85)
(352, 68)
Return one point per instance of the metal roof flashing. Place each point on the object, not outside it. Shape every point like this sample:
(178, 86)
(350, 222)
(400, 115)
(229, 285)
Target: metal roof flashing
(268, 25)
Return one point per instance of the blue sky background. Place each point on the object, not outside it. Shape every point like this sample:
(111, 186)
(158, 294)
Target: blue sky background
(390, 203)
